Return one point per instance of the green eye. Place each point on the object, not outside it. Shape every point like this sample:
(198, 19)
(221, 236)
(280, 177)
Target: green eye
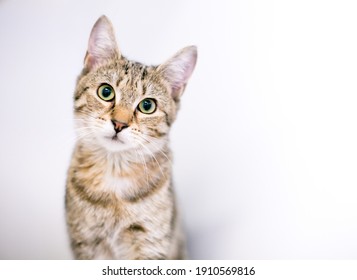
(147, 106)
(106, 92)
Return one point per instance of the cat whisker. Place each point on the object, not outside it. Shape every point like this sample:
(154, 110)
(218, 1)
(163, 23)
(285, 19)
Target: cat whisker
(87, 114)
(140, 153)
(153, 156)
(71, 140)
(87, 127)
(154, 143)
(82, 136)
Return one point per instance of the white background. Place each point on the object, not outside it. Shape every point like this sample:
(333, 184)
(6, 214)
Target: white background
(265, 144)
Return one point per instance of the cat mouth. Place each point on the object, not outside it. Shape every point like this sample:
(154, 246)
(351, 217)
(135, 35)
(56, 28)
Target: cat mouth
(115, 139)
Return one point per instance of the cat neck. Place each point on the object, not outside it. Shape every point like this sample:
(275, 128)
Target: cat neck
(127, 175)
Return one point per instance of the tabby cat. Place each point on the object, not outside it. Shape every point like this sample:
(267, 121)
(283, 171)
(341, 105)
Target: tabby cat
(120, 202)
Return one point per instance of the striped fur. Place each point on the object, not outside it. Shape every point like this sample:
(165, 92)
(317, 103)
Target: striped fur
(120, 202)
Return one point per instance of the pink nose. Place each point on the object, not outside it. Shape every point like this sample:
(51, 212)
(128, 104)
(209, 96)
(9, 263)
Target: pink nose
(119, 126)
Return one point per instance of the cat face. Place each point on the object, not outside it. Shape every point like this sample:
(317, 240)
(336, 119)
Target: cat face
(124, 105)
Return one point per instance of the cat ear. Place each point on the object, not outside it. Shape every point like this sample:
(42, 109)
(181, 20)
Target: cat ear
(102, 44)
(178, 69)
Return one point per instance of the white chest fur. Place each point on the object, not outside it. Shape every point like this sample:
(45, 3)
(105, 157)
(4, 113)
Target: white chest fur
(121, 186)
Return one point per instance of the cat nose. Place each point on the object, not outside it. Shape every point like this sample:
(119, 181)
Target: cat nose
(119, 126)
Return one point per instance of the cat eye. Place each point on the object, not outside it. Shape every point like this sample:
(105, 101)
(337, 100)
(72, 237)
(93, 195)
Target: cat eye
(106, 92)
(147, 106)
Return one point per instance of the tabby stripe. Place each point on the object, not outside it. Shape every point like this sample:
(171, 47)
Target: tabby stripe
(136, 228)
(143, 74)
(126, 67)
(167, 119)
(144, 89)
(174, 216)
(157, 132)
(103, 200)
(79, 94)
(79, 107)
(154, 186)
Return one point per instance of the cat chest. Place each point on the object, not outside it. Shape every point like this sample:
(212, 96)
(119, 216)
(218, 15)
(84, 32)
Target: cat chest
(120, 186)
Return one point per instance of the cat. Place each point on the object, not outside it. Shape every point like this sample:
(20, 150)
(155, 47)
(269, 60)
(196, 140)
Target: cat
(120, 201)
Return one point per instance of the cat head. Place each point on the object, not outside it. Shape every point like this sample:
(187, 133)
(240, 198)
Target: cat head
(121, 104)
